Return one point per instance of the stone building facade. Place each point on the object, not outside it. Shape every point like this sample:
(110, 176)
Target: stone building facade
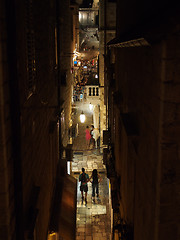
(107, 30)
(144, 100)
(33, 97)
(68, 36)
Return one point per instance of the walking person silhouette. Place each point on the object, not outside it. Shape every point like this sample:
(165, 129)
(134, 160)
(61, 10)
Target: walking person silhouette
(95, 184)
(84, 179)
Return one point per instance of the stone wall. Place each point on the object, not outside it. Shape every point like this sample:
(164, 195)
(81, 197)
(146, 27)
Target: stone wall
(169, 145)
(106, 33)
(7, 219)
(146, 121)
(29, 113)
(67, 50)
(39, 121)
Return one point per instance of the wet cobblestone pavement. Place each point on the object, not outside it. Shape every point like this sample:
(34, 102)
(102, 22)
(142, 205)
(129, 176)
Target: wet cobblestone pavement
(93, 221)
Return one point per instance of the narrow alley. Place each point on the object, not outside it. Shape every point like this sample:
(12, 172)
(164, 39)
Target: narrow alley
(93, 222)
(69, 64)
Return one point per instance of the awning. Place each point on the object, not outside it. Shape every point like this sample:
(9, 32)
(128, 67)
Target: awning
(150, 31)
(63, 218)
(118, 42)
(67, 221)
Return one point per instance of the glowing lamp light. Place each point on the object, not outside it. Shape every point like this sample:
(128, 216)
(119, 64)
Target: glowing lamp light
(82, 117)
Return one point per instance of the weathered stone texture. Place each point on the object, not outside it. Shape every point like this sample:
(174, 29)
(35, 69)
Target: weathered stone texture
(146, 80)
(6, 177)
(171, 93)
(38, 142)
(110, 14)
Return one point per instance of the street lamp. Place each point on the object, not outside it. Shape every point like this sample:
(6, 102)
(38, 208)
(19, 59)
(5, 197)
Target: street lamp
(82, 117)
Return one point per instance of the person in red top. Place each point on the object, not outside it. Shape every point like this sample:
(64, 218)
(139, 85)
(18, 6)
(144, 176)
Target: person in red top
(88, 136)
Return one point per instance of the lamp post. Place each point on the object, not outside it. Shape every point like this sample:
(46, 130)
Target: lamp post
(82, 117)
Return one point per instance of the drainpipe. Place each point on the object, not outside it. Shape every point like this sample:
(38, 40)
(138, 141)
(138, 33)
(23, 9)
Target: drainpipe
(105, 25)
(58, 75)
(15, 117)
(105, 76)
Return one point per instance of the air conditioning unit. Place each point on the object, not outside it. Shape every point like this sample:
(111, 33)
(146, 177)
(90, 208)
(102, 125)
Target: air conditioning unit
(69, 152)
(106, 137)
(105, 154)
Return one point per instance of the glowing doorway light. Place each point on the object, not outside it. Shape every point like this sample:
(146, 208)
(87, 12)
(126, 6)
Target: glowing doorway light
(80, 16)
(90, 107)
(82, 117)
